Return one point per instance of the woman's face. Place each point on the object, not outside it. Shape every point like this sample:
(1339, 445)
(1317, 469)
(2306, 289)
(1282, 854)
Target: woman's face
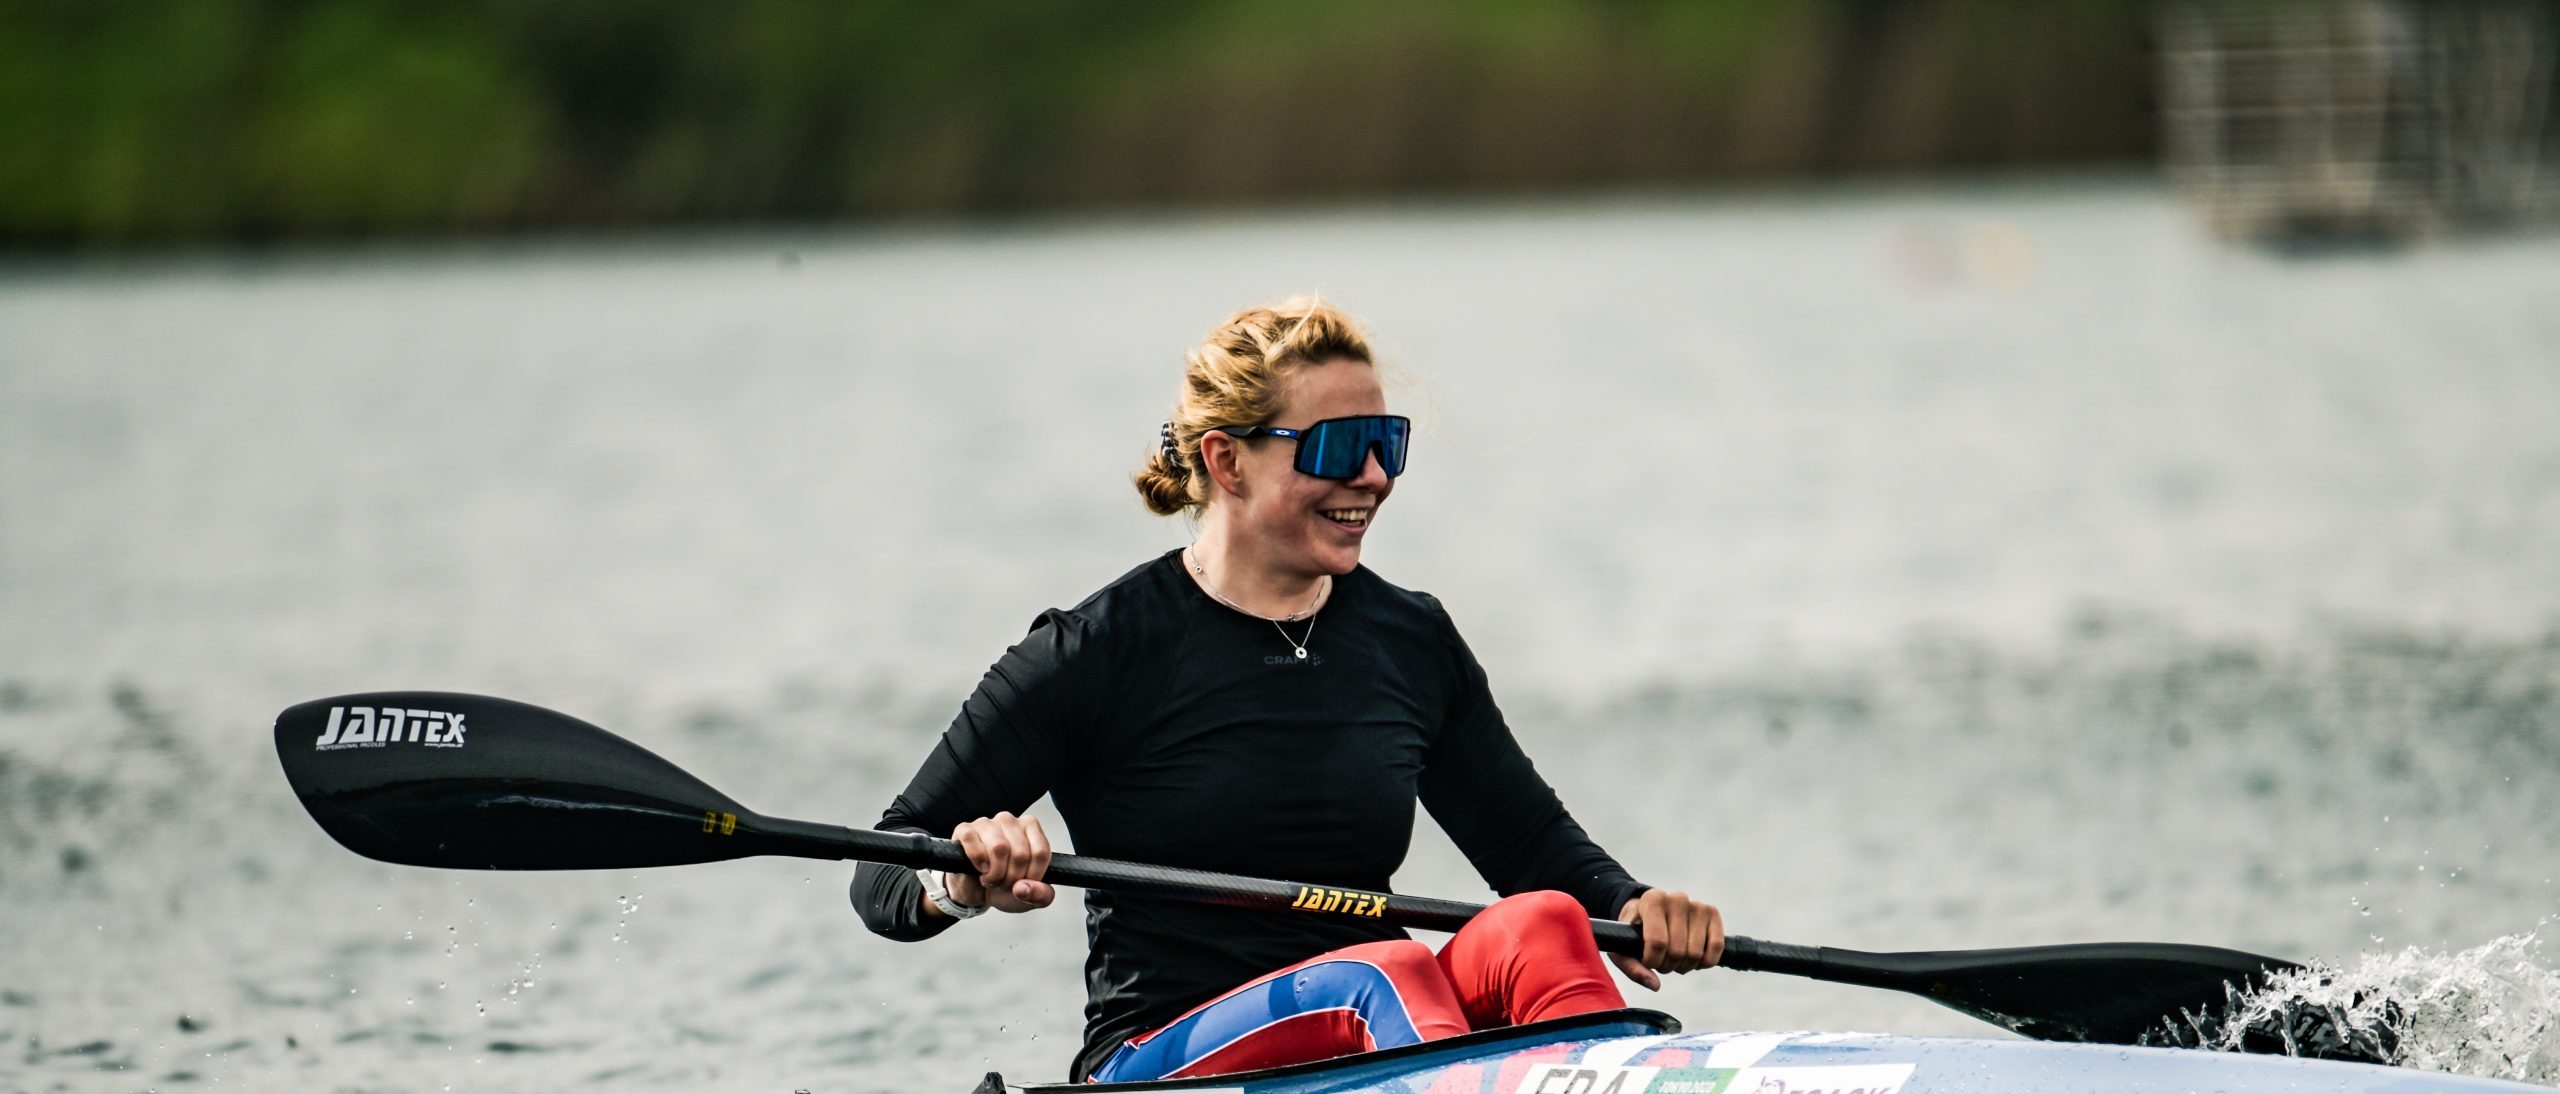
(1301, 523)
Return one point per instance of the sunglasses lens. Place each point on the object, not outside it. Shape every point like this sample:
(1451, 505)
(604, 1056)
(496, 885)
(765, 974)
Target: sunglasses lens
(1338, 447)
(1393, 433)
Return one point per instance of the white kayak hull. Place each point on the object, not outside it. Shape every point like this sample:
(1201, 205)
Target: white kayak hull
(1644, 1052)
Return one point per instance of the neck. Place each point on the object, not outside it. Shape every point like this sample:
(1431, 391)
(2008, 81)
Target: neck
(1249, 579)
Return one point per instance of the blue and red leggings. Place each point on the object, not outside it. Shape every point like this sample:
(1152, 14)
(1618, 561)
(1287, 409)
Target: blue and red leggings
(1528, 958)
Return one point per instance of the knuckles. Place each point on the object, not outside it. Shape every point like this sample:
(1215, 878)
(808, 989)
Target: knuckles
(1003, 848)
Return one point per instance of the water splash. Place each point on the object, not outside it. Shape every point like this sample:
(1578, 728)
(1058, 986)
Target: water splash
(2491, 1011)
(524, 978)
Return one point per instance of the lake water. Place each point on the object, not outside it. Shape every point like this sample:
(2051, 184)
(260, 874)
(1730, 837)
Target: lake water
(1899, 567)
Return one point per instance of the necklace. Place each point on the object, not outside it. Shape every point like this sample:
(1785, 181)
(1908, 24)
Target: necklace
(1296, 645)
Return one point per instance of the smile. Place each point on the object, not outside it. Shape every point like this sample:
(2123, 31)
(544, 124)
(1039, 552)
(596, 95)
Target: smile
(1348, 518)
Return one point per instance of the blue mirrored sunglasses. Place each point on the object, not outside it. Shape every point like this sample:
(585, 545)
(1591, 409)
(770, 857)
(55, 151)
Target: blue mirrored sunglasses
(1337, 448)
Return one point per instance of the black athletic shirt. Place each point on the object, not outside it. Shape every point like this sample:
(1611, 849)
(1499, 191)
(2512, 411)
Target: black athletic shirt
(1172, 729)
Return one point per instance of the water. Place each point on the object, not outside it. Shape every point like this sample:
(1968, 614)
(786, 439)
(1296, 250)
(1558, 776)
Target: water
(2492, 1010)
(1898, 567)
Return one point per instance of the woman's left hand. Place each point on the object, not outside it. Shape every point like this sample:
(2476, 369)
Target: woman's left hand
(1680, 935)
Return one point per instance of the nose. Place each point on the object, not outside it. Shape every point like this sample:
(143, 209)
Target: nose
(1373, 474)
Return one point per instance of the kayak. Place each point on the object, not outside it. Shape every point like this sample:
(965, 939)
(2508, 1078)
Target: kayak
(1644, 1052)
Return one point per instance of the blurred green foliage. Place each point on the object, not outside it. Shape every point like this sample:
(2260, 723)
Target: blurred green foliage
(126, 122)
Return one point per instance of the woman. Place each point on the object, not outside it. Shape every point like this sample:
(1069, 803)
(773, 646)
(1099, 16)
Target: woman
(1260, 703)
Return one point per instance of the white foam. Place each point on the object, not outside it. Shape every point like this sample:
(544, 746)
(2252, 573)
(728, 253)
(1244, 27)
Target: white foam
(2491, 1011)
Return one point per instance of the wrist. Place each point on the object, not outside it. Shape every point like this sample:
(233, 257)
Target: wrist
(937, 895)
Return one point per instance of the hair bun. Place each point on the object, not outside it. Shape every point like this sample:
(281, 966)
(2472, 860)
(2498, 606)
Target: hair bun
(1232, 377)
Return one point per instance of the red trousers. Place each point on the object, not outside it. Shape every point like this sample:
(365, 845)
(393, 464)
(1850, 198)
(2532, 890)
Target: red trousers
(1528, 958)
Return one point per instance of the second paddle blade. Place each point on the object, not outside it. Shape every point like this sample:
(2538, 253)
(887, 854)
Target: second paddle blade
(2117, 993)
(427, 778)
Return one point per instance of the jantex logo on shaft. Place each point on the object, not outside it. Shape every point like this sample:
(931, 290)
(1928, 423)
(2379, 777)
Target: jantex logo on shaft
(1316, 898)
(369, 727)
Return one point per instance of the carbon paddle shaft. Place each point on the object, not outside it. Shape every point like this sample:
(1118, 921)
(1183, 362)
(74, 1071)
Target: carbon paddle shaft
(1753, 955)
(917, 851)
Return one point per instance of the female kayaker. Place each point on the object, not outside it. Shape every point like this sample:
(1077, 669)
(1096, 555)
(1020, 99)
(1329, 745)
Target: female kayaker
(1260, 703)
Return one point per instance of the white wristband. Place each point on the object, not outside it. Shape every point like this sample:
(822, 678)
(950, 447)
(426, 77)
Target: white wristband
(941, 897)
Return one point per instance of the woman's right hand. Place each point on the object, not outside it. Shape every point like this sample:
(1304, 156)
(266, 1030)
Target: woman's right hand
(1011, 854)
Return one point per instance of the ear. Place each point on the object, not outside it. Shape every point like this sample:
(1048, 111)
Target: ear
(1223, 456)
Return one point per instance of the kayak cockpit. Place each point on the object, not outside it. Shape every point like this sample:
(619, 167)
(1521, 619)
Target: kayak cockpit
(1596, 1026)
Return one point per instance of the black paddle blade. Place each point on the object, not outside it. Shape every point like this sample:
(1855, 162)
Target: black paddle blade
(2117, 993)
(426, 778)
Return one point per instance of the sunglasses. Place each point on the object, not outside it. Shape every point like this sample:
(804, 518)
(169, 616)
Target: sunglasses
(1337, 448)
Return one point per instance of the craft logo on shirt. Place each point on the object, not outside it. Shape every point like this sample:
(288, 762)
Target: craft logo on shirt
(1291, 660)
(367, 727)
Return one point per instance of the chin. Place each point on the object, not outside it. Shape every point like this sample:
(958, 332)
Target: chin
(1338, 560)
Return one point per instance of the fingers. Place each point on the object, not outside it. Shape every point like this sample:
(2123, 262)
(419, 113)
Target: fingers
(1009, 854)
(1033, 895)
(996, 847)
(1697, 934)
(965, 887)
(1680, 934)
(1634, 970)
(1646, 912)
(999, 843)
(1691, 954)
(1036, 864)
(1672, 911)
(1031, 860)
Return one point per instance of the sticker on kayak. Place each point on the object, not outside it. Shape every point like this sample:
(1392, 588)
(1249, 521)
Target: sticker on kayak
(1841, 1079)
(366, 727)
(1844, 1079)
(1576, 1079)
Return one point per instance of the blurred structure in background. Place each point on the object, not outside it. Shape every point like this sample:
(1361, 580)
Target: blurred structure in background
(241, 120)
(2363, 118)
(228, 121)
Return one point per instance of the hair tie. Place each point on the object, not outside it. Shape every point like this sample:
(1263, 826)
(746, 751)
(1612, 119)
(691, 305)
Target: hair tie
(1172, 451)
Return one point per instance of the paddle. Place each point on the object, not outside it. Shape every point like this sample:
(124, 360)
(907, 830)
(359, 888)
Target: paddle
(471, 782)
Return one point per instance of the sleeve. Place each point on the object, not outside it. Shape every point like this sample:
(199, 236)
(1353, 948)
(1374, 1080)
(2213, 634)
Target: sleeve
(1001, 754)
(1485, 793)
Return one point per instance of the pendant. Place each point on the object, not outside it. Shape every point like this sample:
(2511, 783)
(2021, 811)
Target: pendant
(1302, 653)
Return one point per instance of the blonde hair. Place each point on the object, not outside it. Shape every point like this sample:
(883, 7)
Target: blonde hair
(1233, 378)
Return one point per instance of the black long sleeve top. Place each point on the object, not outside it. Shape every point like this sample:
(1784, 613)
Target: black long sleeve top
(1171, 729)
